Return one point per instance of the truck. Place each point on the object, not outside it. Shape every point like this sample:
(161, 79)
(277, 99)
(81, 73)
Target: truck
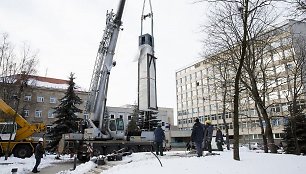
(16, 135)
(103, 135)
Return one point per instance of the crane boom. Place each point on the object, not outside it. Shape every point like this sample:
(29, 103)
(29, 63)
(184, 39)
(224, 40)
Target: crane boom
(96, 103)
(26, 129)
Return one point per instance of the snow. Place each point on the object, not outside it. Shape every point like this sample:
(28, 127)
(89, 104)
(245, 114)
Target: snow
(26, 165)
(38, 83)
(177, 162)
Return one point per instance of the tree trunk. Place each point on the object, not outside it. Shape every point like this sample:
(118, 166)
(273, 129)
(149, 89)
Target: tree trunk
(268, 132)
(264, 138)
(223, 118)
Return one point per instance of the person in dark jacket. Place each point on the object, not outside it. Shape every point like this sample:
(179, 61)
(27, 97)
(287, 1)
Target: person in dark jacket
(159, 138)
(208, 131)
(219, 139)
(197, 136)
(39, 152)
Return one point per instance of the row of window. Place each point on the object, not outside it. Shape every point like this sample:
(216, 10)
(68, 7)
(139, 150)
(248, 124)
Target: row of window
(204, 118)
(40, 99)
(201, 73)
(38, 113)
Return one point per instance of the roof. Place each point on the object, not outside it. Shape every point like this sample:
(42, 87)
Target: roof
(49, 79)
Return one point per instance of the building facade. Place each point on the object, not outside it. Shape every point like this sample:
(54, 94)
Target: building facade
(199, 90)
(39, 98)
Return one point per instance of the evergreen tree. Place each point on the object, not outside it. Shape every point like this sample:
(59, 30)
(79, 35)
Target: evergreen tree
(295, 131)
(133, 127)
(150, 120)
(66, 118)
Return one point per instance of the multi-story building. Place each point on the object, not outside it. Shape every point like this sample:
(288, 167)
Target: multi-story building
(199, 92)
(40, 97)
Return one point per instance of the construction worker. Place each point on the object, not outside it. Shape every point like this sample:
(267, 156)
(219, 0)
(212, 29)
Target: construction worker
(197, 136)
(208, 131)
(39, 152)
(159, 138)
(219, 139)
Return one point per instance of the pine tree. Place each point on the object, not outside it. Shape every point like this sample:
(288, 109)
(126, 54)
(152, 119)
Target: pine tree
(295, 130)
(289, 138)
(133, 128)
(66, 118)
(301, 132)
(150, 120)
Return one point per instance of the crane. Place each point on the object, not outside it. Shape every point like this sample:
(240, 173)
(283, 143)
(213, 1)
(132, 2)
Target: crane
(96, 103)
(103, 135)
(21, 145)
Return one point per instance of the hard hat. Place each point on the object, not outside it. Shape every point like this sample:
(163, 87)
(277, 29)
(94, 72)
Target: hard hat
(40, 139)
(207, 122)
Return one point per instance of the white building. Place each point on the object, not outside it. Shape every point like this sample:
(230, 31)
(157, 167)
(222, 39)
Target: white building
(199, 96)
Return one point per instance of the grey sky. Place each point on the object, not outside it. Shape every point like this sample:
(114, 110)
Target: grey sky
(67, 34)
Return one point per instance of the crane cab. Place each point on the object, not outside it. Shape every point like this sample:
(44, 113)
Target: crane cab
(6, 129)
(116, 128)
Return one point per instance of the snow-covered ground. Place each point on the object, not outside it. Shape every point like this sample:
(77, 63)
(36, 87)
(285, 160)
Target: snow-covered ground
(178, 162)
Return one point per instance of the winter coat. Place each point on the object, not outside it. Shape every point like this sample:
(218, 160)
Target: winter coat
(159, 135)
(208, 132)
(39, 150)
(219, 136)
(197, 134)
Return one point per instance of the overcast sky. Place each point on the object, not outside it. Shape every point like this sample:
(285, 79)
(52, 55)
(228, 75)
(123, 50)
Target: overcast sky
(67, 34)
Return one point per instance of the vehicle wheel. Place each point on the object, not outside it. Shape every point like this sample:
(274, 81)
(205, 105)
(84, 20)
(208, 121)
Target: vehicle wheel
(110, 150)
(22, 151)
(83, 158)
(145, 148)
(133, 149)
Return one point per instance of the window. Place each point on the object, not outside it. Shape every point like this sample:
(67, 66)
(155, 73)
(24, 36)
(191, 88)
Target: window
(51, 113)
(27, 98)
(26, 113)
(129, 117)
(275, 109)
(40, 99)
(112, 125)
(112, 116)
(257, 136)
(52, 99)
(49, 128)
(38, 113)
(278, 136)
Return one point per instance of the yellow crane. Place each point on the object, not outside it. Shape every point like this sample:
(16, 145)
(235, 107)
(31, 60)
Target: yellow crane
(20, 132)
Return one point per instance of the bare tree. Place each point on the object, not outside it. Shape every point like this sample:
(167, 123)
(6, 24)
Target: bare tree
(231, 28)
(223, 84)
(300, 6)
(15, 64)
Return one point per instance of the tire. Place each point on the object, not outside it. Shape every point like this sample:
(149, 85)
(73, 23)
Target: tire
(22, 151)
(145, 149)
(83, 158)
(133, 149)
